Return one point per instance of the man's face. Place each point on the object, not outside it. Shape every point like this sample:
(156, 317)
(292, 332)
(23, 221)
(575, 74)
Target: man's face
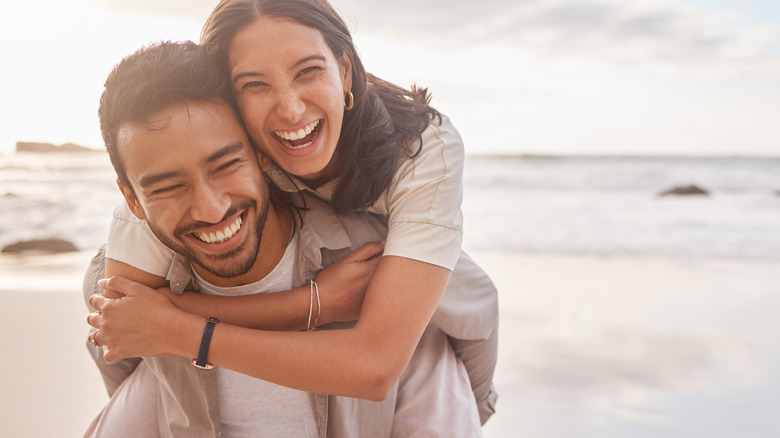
(197, 182)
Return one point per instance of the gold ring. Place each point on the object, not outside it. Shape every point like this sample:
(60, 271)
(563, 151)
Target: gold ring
(93, 340)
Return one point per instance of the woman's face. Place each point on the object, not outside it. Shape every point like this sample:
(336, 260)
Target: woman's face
(290, 89)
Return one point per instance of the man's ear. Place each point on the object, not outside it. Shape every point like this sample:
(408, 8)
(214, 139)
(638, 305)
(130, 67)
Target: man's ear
(263, 160)
(131, 201)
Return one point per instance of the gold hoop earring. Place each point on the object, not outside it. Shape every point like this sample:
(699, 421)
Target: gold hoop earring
(351, 98)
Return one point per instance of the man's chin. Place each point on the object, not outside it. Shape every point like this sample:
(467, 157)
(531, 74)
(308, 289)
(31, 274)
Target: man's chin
(225, 270)
(226, 265)
(237, 261)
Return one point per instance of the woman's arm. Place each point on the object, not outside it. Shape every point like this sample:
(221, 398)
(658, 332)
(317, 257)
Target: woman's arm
(117, 268)
(341, 289)
(287, 310)
(363, 361)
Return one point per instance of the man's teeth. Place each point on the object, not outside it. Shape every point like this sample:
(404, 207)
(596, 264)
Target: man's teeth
(299, 134)
(221, 236)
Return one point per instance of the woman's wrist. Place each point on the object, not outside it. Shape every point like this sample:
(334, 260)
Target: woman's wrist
(199, 304)
(184, 335)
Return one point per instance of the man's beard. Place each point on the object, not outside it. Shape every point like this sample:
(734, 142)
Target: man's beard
(237, 261)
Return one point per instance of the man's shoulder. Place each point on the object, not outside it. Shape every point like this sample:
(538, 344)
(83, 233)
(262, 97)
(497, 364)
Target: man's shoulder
(333, 230)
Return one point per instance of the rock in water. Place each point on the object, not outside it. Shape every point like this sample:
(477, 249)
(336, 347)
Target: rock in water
(41, 246)
(27, 146)
(685, 191)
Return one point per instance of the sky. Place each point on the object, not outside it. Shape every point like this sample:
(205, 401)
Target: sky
(649, 77)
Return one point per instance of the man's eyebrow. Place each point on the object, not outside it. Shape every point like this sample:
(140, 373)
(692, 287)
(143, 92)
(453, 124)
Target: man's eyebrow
(230, 149)
(148, 180)
(304, 60)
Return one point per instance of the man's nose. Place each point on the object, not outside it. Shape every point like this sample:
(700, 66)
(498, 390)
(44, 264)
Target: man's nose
(209, 203)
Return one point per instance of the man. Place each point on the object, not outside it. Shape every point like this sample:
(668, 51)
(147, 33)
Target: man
(186, 168)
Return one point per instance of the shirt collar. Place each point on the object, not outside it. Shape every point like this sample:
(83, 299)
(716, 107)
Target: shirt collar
(291, 183)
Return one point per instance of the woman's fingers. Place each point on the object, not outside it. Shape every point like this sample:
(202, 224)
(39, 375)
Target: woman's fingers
(98, 301)
(110, 355)
(127, 325)
(366, 252)
(120, 285)
(108, 291)
(93, 319)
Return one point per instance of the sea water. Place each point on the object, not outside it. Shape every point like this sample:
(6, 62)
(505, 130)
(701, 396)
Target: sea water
(70, 196)
(611, 206)
(581, 205)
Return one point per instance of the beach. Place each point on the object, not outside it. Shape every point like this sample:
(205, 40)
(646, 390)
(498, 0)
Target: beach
(636, 347)
(589, 347)
(50, 385)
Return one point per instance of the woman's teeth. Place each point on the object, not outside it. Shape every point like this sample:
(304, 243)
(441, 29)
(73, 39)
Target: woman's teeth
(300, 138)
(299, 134)
(221, 236)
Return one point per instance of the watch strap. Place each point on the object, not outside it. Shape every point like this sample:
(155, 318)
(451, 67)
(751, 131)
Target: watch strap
(205, 342)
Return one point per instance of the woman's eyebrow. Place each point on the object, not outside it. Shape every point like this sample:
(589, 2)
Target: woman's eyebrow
(244, 74)
(298, 63)
(317, 57)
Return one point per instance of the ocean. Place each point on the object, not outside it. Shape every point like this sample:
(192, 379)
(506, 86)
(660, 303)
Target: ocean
(610, 206)
(567, 205)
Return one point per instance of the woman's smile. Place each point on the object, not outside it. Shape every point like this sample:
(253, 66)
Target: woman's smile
(301, 138)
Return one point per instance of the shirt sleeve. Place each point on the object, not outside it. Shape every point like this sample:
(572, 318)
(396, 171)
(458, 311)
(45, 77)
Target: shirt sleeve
(423, 202)
(131, 241)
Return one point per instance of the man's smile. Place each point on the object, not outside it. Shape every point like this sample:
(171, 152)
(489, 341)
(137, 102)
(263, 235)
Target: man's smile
(221, 236)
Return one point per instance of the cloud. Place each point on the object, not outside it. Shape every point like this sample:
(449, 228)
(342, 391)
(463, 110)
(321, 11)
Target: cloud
(186, 9)
(626, 32)
(619, 31)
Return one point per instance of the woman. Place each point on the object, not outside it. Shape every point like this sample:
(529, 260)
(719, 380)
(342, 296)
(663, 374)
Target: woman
(362, 144)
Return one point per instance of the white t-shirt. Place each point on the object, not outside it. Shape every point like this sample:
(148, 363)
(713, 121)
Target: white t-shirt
(251, 407)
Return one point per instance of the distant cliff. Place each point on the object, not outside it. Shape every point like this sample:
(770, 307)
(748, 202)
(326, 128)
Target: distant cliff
(24, 146)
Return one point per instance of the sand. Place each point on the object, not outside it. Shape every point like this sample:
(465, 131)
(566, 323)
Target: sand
(589, 347)
(636, 347)
(50, 386)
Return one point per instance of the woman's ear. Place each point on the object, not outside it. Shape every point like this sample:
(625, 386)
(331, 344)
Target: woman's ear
(131, 201)
(346, 72)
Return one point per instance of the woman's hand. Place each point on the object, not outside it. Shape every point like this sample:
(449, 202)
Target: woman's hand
(136, 324)
(168, 293)
(343, 284)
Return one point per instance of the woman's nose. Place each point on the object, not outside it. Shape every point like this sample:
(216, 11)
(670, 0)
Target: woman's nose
(290, 106)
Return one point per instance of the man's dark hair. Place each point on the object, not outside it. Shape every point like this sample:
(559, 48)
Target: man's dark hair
(152, 79)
